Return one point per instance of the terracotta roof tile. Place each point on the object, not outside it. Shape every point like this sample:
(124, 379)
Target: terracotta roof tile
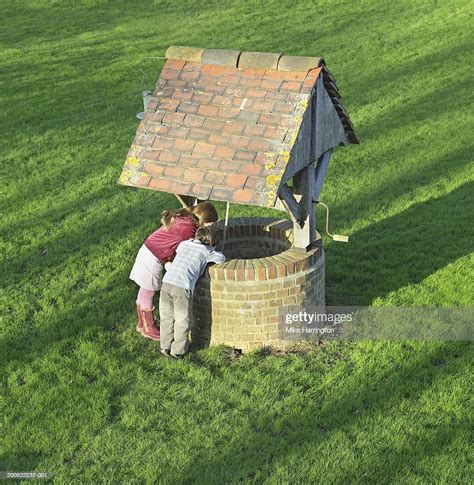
(221, 124)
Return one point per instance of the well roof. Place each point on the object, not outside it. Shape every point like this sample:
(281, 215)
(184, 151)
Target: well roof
(222, 124)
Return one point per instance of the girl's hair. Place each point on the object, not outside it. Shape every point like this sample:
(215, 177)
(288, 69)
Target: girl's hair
(168, 217)
(205, 212)
(202, 214)
(206, 236)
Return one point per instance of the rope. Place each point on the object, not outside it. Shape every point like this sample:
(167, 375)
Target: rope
(225, 225)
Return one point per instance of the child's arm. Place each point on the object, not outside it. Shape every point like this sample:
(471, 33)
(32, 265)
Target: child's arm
(216, 257)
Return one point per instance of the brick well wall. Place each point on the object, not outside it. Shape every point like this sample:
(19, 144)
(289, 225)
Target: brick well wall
(241, 302)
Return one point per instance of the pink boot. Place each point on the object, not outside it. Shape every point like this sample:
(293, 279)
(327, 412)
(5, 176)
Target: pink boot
(140, 325)
(149, 325)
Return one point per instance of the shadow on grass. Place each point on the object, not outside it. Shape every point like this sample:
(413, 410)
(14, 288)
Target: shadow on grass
(84, 311)
(401, 250)
(30, 459)
(280, 436)
(115, 224)
(60, 22)
(386, 80)
(37, 24)
(405, 185)
(86, 314)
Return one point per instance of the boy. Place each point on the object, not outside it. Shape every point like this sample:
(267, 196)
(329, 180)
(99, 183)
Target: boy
(191, 259)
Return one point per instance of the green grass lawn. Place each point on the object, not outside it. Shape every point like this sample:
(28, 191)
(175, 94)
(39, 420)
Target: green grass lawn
(87, 399)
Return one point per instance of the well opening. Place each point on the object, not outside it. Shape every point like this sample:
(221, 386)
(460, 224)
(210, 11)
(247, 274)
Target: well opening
(254, 238)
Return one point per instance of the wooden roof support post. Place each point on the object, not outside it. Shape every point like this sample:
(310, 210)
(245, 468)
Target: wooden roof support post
(304, 233)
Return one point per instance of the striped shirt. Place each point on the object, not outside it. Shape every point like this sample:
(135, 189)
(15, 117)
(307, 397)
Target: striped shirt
(189, 264)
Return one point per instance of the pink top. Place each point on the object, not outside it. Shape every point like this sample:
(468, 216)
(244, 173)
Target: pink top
(163, 242)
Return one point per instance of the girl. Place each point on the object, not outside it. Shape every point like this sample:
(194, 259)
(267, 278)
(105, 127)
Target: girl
(157, 250)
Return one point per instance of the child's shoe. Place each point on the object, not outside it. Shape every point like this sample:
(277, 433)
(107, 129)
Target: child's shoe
(149, 325)
(140, 326)
(168, 353)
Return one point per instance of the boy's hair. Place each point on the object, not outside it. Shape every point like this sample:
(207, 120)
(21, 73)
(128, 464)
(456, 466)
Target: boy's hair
(206, 235)
(203, 213)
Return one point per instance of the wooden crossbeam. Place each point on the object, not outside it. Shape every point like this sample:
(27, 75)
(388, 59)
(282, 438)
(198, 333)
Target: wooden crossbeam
(290, 203)
(188, 200)
(301, 211)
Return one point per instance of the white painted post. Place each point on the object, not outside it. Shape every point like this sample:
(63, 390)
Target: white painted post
(305, 229)
(186, 200)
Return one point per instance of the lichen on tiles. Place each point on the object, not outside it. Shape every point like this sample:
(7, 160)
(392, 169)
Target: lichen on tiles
(133, 161)
(125, 176)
